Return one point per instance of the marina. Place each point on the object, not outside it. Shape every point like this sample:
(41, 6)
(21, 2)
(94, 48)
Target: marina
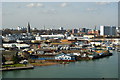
(50, 53)
(106, 67)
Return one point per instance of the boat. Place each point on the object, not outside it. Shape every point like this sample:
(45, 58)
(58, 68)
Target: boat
(65, 57)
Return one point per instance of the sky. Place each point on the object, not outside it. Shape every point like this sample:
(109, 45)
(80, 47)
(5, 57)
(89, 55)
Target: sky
(59, 14)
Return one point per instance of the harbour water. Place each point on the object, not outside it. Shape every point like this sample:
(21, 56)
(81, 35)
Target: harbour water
(100, 68)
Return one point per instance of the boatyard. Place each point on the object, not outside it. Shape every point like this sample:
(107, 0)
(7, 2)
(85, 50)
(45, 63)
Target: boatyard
(52, 52)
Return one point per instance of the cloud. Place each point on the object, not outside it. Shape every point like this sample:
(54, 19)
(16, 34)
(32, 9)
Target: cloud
(50, 11)
(103, 3)
(35, 5)
(91, 9)
(30, 5)
(39, 5)
(53, 11)
(63, 5)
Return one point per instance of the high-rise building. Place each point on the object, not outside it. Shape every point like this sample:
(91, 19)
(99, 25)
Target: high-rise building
(74, 31)
(118, 31)
(108, 30)
(61, 28)
(83, 30)
(28, 28)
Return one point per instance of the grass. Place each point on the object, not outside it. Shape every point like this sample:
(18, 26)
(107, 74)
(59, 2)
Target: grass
(13, 65)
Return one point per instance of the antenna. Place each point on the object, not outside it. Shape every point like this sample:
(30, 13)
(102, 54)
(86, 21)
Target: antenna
(95, 27)
(44, 27)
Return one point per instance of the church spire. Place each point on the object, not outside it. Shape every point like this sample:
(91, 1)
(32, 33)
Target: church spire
(28, 28)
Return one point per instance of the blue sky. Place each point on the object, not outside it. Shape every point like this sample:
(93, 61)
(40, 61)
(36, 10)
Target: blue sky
(59, 14)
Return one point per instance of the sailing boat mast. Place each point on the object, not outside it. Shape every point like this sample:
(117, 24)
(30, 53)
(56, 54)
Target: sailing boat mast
(94, 36)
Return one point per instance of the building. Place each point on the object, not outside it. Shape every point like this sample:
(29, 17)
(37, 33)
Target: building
(88, 36)
(21, 28)
(28, 28)
(44, 37)
(83, 30)
(74, 31)
(18, 37)
(108, 30)
(116, 41)
(34, 28)
(118, 31)
(11, 37)
(61, 28)
(74, 37)
(96, 32)
(64, 57)
(19, 46)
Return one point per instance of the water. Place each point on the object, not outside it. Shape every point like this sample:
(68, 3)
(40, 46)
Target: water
(101, 68)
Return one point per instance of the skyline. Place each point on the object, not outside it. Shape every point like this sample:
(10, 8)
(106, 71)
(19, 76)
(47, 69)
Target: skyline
(59, 14)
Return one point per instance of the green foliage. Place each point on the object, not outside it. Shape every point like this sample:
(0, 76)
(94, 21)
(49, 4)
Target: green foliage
(13, 65)
(3, 59)
(16, 58)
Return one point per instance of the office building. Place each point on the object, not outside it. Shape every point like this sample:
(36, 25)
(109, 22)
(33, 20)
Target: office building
(108, 30)
(74, 31)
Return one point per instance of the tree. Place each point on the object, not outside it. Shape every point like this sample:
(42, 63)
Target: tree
(3, 59)
(16, 58)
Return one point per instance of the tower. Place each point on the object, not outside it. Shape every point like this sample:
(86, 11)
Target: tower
(28, 28)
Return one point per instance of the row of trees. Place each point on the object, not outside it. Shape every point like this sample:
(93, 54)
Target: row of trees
(16, 58)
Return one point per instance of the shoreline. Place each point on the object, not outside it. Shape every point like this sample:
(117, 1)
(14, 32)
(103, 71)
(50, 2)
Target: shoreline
(44, 64)
(31, 66)
(17, 68)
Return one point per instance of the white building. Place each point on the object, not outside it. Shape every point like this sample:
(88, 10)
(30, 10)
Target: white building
(44, 37)
(108, 30)
(88, 36)
(9, 37)
(61, 28)
(116, 41)
(118, 30)
(21, 28)
(17, 45)
(74, 37)
(63, 56)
